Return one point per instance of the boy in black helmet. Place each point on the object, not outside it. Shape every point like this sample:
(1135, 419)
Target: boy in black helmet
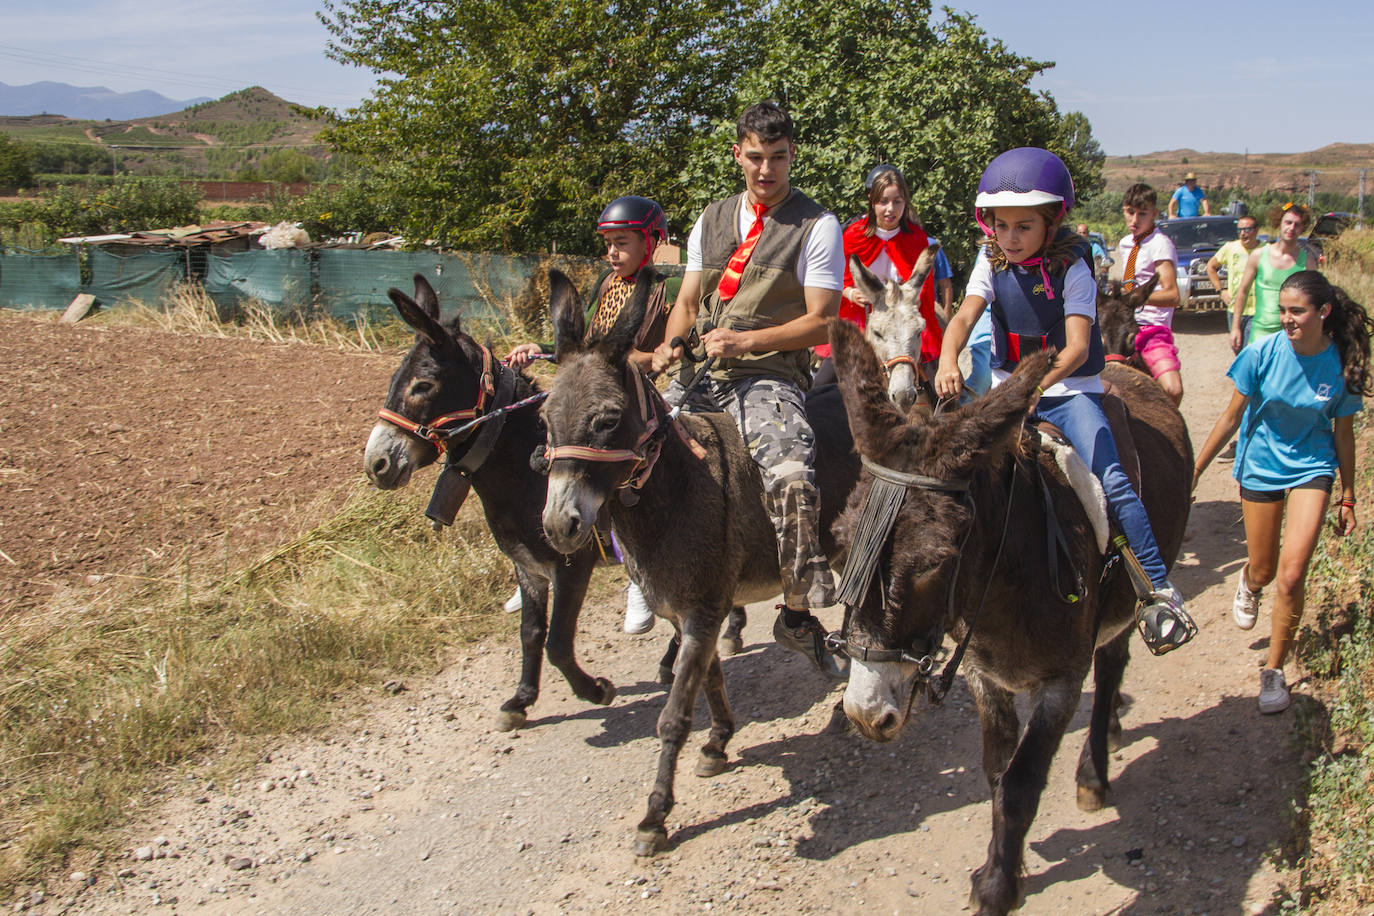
(632, 227)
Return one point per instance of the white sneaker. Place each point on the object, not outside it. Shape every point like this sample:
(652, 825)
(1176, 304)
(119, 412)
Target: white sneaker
(638, 617)
(512, 603)
(1245, 607)
(1273, 695)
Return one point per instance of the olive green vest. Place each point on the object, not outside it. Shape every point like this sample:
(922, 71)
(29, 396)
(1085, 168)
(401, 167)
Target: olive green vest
(769, 294)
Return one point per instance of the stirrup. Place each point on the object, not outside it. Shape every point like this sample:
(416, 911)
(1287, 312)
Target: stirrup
(1163, 623)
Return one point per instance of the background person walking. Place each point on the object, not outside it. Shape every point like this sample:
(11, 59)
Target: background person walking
(1266, 270)
(1294, 405)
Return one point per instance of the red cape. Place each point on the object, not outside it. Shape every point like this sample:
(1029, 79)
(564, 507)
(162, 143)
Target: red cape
(903, 249)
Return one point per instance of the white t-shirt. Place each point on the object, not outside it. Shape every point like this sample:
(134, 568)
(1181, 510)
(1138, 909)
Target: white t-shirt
(1155, 248)
(882, 265)
(1080, 298)
(821, 264)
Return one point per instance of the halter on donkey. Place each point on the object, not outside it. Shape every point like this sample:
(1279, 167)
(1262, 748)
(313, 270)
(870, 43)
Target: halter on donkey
(451, 398)
(954, 564)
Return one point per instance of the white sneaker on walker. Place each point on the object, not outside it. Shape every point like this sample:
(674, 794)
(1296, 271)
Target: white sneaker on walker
(1273, 695)
(1245, 606)
(513, 603)
(638, 617)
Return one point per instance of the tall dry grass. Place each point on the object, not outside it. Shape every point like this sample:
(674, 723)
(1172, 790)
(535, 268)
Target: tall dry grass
(102, 699)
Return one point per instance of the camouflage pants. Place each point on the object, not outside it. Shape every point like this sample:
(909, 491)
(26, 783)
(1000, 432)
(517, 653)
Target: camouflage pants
(772, 419)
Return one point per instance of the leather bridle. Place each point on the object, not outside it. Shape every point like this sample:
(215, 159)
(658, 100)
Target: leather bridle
(437, 432)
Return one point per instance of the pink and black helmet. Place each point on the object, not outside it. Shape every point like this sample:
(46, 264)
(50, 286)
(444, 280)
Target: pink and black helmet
(1024, 177)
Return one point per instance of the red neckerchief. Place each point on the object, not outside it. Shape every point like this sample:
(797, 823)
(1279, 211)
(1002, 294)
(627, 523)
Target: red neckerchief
(903, 249)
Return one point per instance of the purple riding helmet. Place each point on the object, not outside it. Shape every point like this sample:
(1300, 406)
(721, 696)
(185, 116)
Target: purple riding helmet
(1024, 177)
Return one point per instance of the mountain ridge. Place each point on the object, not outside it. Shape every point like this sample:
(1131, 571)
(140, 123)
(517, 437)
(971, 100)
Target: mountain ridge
(89, 103)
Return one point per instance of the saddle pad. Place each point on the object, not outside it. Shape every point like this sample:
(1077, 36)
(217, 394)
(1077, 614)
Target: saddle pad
(1085, 484)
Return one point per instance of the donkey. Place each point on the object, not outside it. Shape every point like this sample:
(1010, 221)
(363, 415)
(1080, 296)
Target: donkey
(895, 324)
(1116, 320)
(445, 372)
(693, 529)
(968, 554)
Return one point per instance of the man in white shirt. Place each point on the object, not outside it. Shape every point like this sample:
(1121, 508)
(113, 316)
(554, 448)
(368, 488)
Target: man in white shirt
(764, 272)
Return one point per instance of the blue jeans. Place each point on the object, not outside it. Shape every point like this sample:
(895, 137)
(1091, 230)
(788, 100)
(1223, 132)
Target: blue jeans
(1081, 418)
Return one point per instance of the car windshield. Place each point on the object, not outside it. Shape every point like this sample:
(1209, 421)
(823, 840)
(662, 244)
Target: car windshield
(1201, 233)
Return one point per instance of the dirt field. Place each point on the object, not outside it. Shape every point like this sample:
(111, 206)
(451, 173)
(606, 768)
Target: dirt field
(131, 452)
(121, 445)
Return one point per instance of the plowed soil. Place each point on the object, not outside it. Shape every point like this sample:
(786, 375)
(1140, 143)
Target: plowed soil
(126, 451)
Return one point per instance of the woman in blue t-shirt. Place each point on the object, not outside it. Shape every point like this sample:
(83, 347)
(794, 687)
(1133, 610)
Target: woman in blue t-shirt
(1294, 405)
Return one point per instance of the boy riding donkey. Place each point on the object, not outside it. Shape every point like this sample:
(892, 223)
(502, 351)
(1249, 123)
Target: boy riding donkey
(632, 228)
(764, 271)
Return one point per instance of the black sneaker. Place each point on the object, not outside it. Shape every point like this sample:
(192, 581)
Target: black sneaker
(808, 638)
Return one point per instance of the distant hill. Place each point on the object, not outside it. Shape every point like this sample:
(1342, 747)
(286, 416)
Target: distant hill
(1337, 165)
(210, 138)
(95, 103)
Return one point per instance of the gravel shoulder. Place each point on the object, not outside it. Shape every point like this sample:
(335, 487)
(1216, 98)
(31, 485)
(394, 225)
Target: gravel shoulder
(418, 805)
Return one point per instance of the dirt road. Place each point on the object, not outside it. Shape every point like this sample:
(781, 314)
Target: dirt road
(420, 807)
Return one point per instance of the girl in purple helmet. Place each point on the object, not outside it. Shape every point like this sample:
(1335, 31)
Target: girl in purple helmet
(1037, 277)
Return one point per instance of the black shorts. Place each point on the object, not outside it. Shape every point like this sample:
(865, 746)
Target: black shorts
(1323, 482)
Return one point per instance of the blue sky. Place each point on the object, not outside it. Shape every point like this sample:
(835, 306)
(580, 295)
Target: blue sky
(1220, 76)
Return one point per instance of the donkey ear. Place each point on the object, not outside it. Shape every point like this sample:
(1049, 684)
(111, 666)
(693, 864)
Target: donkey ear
(990, 424)
(425, 296)
(565, 306)
(866, 280)
(872, 415)
(923, 266)
(418, 317)
(616, 344)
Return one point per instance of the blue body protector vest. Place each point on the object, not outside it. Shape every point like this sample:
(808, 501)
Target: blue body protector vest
(1025, 320)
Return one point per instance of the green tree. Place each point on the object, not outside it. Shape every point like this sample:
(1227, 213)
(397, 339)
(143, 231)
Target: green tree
(288, 165)
(509, 124)
(124, 205)
(16, 164)
(870, 81)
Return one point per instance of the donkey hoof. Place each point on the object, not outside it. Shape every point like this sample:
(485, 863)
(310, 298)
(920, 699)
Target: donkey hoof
(730, 644)
(665, 675)
(1091, 799)
(651, 842)
(709, 765)
(508, 720)
(607, 692)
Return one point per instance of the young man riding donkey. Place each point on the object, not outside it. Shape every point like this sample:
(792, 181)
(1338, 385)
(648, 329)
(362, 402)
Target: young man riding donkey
(764, 272)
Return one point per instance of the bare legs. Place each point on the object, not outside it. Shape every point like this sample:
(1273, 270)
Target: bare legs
(1283, 565)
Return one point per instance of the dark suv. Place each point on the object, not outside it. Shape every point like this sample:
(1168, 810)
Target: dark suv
(1197, 238)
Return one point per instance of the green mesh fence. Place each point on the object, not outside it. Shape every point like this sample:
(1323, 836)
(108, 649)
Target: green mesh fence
(483, 286)
(39, 279)
(146, 276)
(279, 278)
(490, 289)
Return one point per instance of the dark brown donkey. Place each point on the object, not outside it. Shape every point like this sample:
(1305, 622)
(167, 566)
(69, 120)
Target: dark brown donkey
(693, 529)
(441, 375)
(968, 556)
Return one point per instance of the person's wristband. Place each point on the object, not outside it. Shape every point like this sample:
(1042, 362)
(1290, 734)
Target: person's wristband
(1348, 503)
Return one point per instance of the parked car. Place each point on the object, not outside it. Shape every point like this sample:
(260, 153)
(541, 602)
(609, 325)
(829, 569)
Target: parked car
(1330, 225)
(1197, 238)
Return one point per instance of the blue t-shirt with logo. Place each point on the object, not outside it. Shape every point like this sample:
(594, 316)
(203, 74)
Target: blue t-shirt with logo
(1189, 202)
(1287, 435)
